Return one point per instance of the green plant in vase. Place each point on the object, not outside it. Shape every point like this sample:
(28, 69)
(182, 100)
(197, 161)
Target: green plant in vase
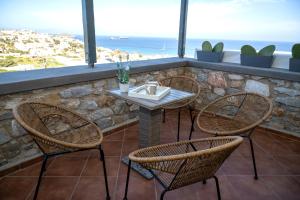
(123, 74)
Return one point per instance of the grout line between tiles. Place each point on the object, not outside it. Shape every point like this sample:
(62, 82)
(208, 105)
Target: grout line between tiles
(78, 180)
(117, 181)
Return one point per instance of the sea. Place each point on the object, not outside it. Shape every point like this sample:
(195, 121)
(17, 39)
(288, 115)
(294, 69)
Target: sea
(168, 46)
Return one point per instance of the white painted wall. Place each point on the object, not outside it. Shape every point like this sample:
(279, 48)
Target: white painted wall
(281, 59)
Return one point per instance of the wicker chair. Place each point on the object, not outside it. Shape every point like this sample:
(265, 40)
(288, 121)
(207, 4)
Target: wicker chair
(237, 114)
(186, 84)
(179, 164)
(57, 131)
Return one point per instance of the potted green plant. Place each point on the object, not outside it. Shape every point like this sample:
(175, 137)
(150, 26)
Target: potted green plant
(263, 58)
(295, 59)
(209, 53)
(123, 74)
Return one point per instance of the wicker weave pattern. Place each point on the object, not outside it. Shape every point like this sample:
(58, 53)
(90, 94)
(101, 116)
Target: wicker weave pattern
(186, 162)
(183, 83)
(234, 114)
(57, 129)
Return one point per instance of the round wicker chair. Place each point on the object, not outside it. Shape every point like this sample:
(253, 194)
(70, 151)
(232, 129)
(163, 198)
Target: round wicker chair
(183, 83)
(183, 163)
(236, 114)
(57, 130)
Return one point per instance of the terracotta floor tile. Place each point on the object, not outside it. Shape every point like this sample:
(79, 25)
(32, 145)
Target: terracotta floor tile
(285, 187)
(238, 165)
(139, 188)
(132, 132)
(90, 188)
(129, 146)
(94, 166)
(83, 154)
(117, 136)
(290, 163)
(66, 166)
(124, 169)
(111, 148)
(206, 191)
(277, 156)
(246, 188)
(56, 188)
(33, 170)
(16, 187)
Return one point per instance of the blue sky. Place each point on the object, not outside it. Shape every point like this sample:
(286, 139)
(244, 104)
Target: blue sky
(269, 20)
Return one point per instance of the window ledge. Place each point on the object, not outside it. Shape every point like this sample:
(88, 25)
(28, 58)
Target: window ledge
(276, 73)
(13, 82)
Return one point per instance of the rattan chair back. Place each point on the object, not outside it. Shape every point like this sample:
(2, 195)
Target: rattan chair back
(234, 114)
(186, 162)
(182, 83)
(57, 129)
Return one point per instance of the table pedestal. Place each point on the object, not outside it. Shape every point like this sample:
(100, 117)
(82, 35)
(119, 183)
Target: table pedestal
(149, 135)
(149, 127)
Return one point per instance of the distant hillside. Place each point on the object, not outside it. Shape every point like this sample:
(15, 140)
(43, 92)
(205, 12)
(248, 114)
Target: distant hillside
(26, 50)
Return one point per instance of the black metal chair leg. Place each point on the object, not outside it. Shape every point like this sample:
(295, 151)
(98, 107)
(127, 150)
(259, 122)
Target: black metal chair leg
(163, 194)
(204, 182)
(105, 174)
(253, 158)
(218, 187)
(191, 117)
(164, 116)
(127, 180)
(43, 168)
(192, 127)
(178, 125)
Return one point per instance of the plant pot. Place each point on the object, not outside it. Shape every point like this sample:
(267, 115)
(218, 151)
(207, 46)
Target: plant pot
(257, 61)
(209, 56)
(124, 87)
(294, 65)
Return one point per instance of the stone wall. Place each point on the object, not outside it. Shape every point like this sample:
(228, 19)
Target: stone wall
(284, 94)
(91, 100)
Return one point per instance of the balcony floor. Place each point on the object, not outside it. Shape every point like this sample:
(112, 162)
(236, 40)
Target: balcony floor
(79, 175)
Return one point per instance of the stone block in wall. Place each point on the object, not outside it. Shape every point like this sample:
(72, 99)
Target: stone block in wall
(278, 82)
(202, 77)
(11, 149)
(105, 101)
(6, 115)
(232, 90)
(236, 84)
(235, 77)
(217, 79)
(133, 107)
(4, 137)
(88, 105)
(296, 85)
(12, 103)
(111, 83)
(289, 101)
(78, 91)
(219, 91)
(104, 122)
(104, 112)
(257, 87)
(17, 129)
(119, 107)
(290, 92)
(70, 103)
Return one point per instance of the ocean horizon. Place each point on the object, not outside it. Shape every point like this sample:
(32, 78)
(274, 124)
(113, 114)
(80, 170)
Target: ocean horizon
(168, 46)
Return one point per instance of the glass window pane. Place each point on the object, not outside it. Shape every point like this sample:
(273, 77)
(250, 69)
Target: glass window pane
(144, 29)
(38, 34)
(238, 22)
